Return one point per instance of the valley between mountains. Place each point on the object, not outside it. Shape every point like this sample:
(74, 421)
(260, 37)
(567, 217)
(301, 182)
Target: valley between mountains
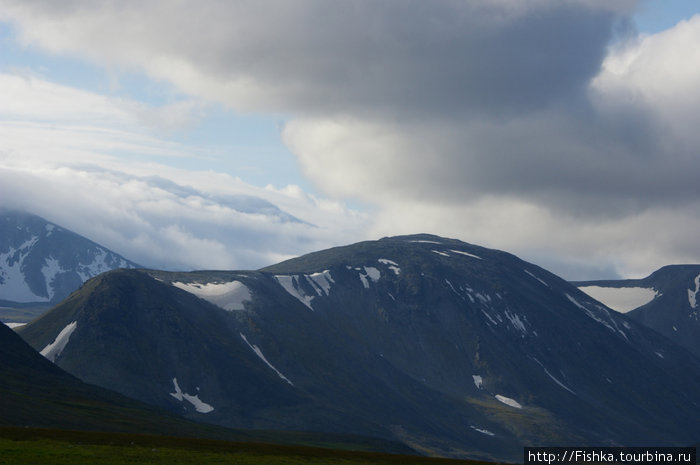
(449, 348)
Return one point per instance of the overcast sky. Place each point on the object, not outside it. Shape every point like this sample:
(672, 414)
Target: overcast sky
(234, 134)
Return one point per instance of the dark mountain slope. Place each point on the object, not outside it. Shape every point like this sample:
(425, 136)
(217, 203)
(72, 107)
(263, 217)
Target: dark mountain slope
(35, 392)
(146, 340)
(452, 348)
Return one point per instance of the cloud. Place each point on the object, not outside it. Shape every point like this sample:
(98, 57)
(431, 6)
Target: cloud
(85, 162)
(576, 248)
(314, 57)
(162, 224)
(30, 97)
(657, 75)
(536, 127)
(596, 176)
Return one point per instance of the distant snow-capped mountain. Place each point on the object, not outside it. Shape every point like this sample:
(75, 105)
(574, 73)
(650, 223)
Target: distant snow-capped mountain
(42, 263)
(450, 348)
(668, 301)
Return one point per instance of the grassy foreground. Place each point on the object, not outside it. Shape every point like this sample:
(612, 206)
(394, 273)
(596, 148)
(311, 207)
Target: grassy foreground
(60, 447)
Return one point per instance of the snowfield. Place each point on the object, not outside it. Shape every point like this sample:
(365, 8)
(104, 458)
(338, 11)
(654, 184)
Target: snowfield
(621, 299)
(229, 296)
(291, 285)
(15, 287)
(14, 325)
(320, 283)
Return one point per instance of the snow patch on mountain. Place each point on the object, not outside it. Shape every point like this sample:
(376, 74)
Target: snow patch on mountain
(321, 282)
(692, 294)
(102, 261)
(447, 281)
(466, 254)
(14, 284)
(516, 322)
(228, 295)
(372, 273)
(508, 401)
(440, 253)
(393, 266)
(367, 274)
(553, 378)
(489, 317)
(14, 325)
(201, 407)
(589, 312)
(478, 381)
(532, 275)
(482, 431)
(53, 350)
(621, 299)
(291, 285)
(557, 381)
(365, 283)
(259, 353)
(50, 269)
(468, 291)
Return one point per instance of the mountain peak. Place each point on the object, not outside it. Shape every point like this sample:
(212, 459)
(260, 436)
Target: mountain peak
(401, 247)
(41, 262)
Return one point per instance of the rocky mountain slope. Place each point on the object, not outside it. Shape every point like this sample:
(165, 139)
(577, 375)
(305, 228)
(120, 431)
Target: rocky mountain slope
(451, 348)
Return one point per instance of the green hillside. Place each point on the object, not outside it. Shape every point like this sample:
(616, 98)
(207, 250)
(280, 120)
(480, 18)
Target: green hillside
(61, 447)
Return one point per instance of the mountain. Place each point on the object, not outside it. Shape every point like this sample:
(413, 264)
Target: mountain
(667, 301)
(41, 263)
(35, 393)
(451, 348)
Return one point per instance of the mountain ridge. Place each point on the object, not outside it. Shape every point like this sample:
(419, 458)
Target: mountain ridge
(451, 348)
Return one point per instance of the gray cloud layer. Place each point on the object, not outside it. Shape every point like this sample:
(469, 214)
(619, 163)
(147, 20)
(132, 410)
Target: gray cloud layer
(392, 57)
(448, 109)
